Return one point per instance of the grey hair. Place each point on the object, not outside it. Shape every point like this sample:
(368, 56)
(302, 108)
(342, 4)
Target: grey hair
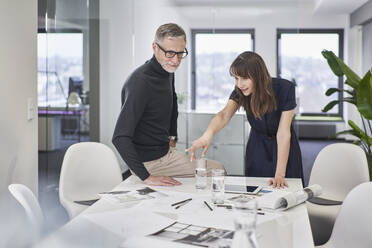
(169, 30)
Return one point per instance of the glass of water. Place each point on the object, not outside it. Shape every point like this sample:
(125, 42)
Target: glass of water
(201, 173)
(245, 219)
(218, 186)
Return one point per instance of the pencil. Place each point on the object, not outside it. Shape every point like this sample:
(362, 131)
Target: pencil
(208, 206)
(176, 203)
(180, 205)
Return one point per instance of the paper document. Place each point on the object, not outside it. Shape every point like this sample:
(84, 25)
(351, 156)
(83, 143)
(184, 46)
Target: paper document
(129, 222)
(132, 195)
(283, 200)
(194, 235)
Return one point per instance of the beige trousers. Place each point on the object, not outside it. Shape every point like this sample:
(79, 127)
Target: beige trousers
(177, 164)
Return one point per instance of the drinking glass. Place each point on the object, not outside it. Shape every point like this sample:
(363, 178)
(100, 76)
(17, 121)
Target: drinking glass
(218, 186)
(245, 219)
(201, 173)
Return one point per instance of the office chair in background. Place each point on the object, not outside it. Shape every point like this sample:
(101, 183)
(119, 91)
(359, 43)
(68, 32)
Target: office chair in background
(32, 208)
(338, 168)
(88, 168)
(353, 224)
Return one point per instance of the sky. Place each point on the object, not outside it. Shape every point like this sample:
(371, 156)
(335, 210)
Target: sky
(308, 45)
(211, 43)
(61, 44)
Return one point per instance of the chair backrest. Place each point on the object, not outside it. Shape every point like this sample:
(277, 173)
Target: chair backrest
(87, 169)
(353, 226)
(338, 168)
(30, 204)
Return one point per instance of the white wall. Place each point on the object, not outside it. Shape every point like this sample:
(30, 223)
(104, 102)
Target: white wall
(127, 30)
(367, 47)
(18, 136)
(354, 60)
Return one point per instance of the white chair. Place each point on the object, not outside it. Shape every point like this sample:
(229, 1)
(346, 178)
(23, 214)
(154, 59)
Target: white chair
(29, 202)
(338, 168)
(88, 168)
(353, 225)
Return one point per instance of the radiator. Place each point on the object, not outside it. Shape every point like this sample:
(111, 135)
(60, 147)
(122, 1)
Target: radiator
(315, 130)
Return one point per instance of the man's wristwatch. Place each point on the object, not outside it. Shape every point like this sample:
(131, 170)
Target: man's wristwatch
(172, 138)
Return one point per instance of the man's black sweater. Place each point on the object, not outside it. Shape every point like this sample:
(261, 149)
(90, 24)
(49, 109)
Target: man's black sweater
(148, 116)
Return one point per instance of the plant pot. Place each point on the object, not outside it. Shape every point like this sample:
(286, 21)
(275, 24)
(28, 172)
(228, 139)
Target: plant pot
(369, 160)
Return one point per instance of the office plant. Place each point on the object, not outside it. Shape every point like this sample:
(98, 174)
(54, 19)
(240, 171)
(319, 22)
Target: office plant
(359, 95)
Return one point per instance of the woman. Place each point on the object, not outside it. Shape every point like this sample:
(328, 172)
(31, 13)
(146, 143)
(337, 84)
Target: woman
(272, 149)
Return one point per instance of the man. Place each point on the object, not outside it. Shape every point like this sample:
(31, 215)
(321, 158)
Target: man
(146, 130)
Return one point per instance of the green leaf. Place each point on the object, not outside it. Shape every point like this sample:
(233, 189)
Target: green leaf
(364, 96)
(351, 132)
(352, 78)
(349, 100)
(332, 62)
(357, 142)
(346, 82)
(361, 134)
(354, 126)
(339, 68)
(330, 105)
(349, 92)
(330, 91)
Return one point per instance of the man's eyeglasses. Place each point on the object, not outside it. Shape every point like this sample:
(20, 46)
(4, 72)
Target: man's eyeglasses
(171, 54)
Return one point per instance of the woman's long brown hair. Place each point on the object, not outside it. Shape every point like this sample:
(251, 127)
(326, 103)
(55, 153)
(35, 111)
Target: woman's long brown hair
(251, 65)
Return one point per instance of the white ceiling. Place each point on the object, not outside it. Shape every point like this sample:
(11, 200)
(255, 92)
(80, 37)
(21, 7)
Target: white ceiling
(319, 6)
(238, 9)
(233, 3)
(337, 6)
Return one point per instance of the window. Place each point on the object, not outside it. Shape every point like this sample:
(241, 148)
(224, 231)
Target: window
(300, 60)
(212, 54)
(60, 59)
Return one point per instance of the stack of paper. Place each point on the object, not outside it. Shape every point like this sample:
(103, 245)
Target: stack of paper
(133, 195)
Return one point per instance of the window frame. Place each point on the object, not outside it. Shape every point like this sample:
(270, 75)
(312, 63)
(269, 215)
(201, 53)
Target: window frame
(340, 32)
(194, 32)
(59, 30)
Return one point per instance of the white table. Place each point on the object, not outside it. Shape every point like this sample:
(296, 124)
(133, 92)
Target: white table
(106, 224)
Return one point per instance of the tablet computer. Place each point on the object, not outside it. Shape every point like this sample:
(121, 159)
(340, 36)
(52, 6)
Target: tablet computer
(242, 189)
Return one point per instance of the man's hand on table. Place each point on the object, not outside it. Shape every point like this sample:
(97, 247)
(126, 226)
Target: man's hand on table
(161, 181)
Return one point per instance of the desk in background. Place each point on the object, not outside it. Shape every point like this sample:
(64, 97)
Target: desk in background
(53, 121)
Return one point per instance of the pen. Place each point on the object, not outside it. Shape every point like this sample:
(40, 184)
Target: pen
(174, 204)
(208, 206)
(180, 205)
(115, 192)
(224, 206)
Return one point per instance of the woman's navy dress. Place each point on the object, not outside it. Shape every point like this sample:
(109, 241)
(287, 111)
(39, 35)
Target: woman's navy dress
(261, 152)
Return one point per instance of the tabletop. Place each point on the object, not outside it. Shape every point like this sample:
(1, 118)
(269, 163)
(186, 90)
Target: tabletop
(115, 221)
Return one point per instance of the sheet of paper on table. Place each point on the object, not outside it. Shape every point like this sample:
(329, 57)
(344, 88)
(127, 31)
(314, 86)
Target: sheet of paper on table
(145, 193)
(137, 221)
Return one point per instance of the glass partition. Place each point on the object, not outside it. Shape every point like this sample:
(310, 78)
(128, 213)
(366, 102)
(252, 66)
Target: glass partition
(64, 86)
